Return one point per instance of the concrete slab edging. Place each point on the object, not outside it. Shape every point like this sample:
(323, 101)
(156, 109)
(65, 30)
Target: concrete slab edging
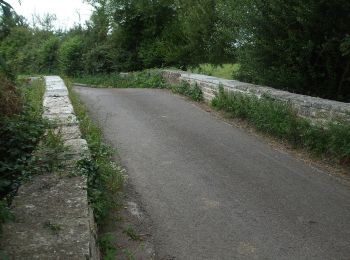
(53, 219)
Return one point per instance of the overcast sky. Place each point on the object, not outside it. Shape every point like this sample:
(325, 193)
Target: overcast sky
(65, 10)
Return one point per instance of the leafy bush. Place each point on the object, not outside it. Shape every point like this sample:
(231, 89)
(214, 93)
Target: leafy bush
(98, 60)
(10, 100)
(48, 55)
(70, 56)
(280, 120)
(294, 45)
(107, 247)
(20, 134)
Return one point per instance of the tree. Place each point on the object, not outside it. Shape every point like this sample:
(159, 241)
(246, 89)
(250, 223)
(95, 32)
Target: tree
(70, 56)
(295, 45)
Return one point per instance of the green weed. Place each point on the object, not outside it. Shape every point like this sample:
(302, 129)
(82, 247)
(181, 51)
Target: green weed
(281, 120)
(192, 91)
(20, 134)
(107, 247)
(105, 178)
(130, 232)
(50, 155)
(128, 254)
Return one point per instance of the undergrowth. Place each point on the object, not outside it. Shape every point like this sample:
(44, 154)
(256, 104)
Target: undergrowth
(21, 129)
(280, 120)
(143, 79)
(105, 177)
(193, 91)
(106, 244)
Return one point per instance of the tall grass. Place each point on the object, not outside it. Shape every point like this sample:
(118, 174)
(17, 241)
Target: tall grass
(281, 120)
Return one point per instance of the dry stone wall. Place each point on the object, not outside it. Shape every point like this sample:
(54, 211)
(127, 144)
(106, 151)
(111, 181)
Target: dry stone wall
(317, 109)
(53, 219)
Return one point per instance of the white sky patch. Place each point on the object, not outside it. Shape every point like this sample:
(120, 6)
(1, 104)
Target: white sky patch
(66, 11)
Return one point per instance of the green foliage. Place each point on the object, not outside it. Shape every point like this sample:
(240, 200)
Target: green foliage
(105, 178)
(130, 232)
(20, 131)
(10, 100)
(143, 79)
(20, 134)
(15, 50)
(48, 55)
(128, 254)
(280, 120)
(106, 244)
(294, 45)
(70, 56)
(192, 91)
(299, 46)
(50, 155)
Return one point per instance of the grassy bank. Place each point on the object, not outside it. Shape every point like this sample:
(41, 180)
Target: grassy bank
(331, 142)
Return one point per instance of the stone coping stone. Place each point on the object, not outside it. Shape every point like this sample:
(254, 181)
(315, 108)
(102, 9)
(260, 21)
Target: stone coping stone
(67, 109)
(56, 93)
(52, 220)
(56, 101)
(68, 132)
(61, 119)
(77, 147)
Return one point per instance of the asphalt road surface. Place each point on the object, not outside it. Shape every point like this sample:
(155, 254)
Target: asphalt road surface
(215, 192)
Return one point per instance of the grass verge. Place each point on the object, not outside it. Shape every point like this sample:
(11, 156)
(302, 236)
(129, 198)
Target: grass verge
(331, 142)
(104, 176)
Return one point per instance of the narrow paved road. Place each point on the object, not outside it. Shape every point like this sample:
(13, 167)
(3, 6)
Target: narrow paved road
(214, 192)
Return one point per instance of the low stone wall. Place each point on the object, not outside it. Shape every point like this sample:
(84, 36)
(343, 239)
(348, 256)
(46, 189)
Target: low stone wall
(317, 109)
(53, 219)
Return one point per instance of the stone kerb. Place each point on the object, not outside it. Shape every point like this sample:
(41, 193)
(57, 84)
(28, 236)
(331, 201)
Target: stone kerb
(53, 219)
(317, 109)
